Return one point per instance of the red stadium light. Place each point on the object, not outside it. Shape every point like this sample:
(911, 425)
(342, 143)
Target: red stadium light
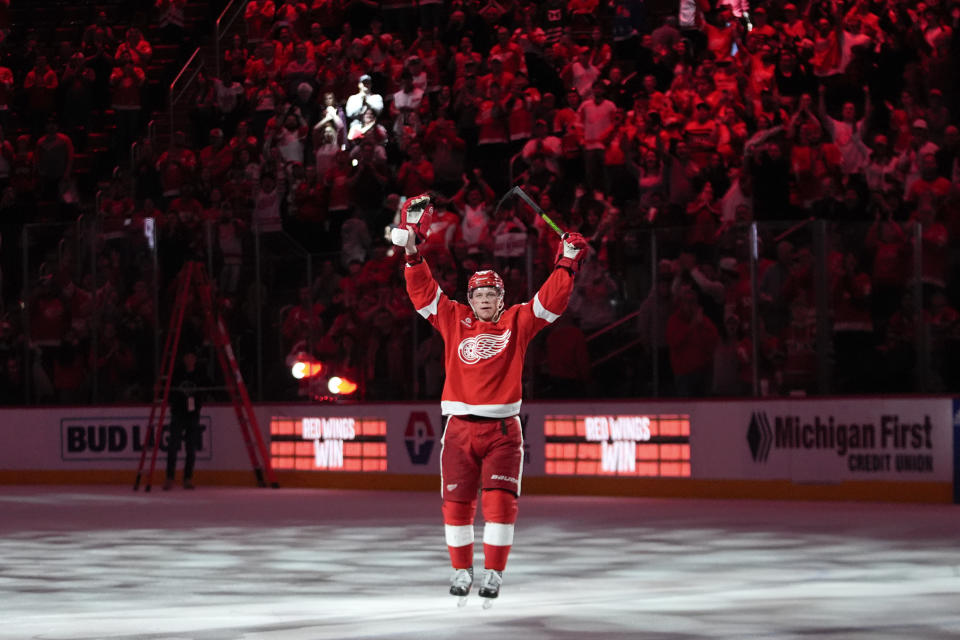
(341, 386)
(306, 369)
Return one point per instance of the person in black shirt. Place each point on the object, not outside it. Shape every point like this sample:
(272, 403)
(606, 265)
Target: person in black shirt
(185, 401)
(793, 77)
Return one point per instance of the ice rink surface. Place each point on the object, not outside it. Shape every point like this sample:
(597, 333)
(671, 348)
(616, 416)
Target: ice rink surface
(292, 564)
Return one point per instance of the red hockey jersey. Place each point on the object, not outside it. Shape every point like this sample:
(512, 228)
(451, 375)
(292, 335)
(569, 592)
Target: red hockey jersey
(484, 360)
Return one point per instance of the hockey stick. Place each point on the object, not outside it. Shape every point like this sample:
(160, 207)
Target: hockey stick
(533, 205)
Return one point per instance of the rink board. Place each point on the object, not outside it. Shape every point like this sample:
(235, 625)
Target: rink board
(899, 449)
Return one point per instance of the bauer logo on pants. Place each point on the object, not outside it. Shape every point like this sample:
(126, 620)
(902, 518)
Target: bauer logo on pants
(482, 346)
(419, 437)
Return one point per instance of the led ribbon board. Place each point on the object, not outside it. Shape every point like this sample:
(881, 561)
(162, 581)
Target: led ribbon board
(618, 445)
(328, 444)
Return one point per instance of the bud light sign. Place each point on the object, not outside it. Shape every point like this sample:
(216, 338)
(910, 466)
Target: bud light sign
(118, 438)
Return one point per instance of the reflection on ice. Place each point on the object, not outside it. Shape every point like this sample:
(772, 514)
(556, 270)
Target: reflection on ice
(298, 564)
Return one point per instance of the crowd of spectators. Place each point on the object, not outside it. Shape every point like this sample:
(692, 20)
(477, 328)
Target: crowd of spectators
(830, 124)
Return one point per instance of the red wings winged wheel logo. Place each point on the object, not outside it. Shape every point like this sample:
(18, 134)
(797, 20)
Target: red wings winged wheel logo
(482, 346)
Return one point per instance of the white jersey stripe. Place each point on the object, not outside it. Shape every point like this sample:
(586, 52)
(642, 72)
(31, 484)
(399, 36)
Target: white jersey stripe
(520, 470)
(454, 408)
(541, 312)
(459, 535)
(498, 534)
(431, 309)
(442, 436)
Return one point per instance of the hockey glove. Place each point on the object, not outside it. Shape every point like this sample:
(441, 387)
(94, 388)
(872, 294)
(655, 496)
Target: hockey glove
(416, 215)
(571, 252)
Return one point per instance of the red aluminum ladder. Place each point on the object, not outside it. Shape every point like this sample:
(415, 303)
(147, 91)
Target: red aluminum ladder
(193, 279)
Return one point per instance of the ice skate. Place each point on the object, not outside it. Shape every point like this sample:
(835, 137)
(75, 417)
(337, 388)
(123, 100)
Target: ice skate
(490, 586)
(460, 585)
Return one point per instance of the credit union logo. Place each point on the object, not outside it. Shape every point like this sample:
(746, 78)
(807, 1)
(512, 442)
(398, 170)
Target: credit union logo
(759, 436)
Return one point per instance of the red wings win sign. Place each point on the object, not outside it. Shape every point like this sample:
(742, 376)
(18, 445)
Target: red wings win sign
(618, 445)
(328, 444)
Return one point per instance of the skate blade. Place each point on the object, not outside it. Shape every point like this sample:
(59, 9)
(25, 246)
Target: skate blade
(487, 603)
(462, 601)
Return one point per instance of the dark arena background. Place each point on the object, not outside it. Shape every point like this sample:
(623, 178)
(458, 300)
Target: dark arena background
(744, 425)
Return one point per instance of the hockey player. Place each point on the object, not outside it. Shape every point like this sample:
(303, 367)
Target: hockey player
(484, 346)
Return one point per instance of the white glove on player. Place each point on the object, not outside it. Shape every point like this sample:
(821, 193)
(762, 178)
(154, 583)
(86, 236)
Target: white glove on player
(415, 208)
(416, 215)
(571, 252)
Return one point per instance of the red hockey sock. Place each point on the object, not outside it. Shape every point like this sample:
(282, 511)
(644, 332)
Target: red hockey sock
(458, 527)
(499, 514)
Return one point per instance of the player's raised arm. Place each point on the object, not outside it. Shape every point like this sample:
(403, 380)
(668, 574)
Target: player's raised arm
(552, 298)
(426, 295)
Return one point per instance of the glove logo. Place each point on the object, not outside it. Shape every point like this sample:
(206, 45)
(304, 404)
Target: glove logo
(482, 346)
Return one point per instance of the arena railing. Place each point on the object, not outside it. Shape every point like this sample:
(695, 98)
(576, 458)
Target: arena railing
(224, 24)
(845, 324)
(181, 84)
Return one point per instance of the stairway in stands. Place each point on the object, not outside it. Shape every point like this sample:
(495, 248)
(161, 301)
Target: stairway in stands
(206, 59)
(51, 22)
